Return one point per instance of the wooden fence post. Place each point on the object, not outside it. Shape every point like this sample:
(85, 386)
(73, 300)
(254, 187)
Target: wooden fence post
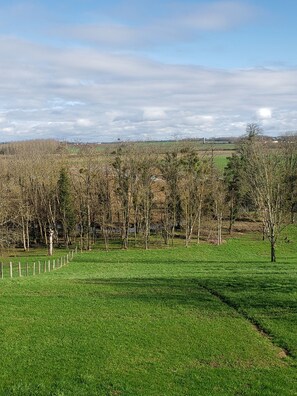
(34, 268)
(20, 269)
(39, 267)
(49, 265)
(10, 269)
(44, 266)
(27, 269)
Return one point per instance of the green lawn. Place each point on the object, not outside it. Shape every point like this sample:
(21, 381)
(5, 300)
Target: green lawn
(205, 320)
(221, 161)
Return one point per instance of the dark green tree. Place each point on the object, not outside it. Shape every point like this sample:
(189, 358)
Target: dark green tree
(289, 145)
(233, 181)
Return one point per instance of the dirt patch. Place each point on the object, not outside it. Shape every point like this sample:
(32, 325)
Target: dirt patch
(283, 354)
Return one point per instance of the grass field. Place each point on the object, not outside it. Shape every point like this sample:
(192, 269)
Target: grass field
(206, 320)
(106, 152)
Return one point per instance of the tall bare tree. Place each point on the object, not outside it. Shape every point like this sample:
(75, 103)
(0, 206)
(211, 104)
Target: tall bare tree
(65, 204)
(265, 172)
(147, 170)
(126, 175)
(103, 191)
(170, 168)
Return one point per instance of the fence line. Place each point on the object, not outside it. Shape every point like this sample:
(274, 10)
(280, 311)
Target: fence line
(19, 269)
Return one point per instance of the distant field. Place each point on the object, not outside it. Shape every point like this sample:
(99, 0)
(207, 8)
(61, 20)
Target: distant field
(206, 320)
(105, 152)
(159, 147)
(171, 145)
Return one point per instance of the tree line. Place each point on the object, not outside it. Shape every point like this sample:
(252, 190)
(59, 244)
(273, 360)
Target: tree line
(138, 196)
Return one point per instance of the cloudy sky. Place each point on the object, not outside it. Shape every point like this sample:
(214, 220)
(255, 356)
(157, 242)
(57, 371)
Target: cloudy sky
(93, 70)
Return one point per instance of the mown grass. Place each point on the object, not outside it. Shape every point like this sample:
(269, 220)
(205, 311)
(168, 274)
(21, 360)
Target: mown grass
(161, 322)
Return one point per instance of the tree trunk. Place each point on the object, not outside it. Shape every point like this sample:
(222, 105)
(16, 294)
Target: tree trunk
(272, 247)
(24, 235)
(293, 215)
(50, 246)
(105, 235)
(219, 230)
(147, 228)
(89, 227)
(81, 235)
(231, 218)
(27, 235)
(199, 221)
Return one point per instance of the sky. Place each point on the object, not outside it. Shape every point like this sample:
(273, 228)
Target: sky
(101, 71)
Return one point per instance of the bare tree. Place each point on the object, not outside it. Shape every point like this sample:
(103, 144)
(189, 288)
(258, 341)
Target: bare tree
(253, 130)
(219, 202)
(192, 191)
(103, 191)
(125, 170)
(84, 184)
(65, 205)
(146, 168)
(170, 168)
(264, 170)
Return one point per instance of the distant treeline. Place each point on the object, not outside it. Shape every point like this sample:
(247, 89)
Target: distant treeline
(137, 194)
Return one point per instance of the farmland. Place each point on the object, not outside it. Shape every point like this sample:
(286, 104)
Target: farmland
(207, 320)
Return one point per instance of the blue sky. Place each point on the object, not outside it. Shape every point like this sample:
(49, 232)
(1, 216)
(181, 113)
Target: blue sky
(98, 71)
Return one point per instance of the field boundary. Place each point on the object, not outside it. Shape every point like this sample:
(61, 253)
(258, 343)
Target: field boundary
(18, 269)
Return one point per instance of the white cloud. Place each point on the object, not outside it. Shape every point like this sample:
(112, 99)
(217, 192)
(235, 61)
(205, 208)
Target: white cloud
(264, 113)
(84, 122)
(130, 97)
(180, 22)
(9, 130)
(154, 114)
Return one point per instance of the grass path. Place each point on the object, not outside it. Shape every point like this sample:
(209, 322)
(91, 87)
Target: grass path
(171, 322)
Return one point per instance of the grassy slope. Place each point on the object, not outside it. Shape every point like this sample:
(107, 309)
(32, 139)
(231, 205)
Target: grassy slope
(148, 323)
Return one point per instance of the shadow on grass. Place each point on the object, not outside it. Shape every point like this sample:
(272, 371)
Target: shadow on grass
(171, 293)
(255, 302)
(247, 292)
(171, 261)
